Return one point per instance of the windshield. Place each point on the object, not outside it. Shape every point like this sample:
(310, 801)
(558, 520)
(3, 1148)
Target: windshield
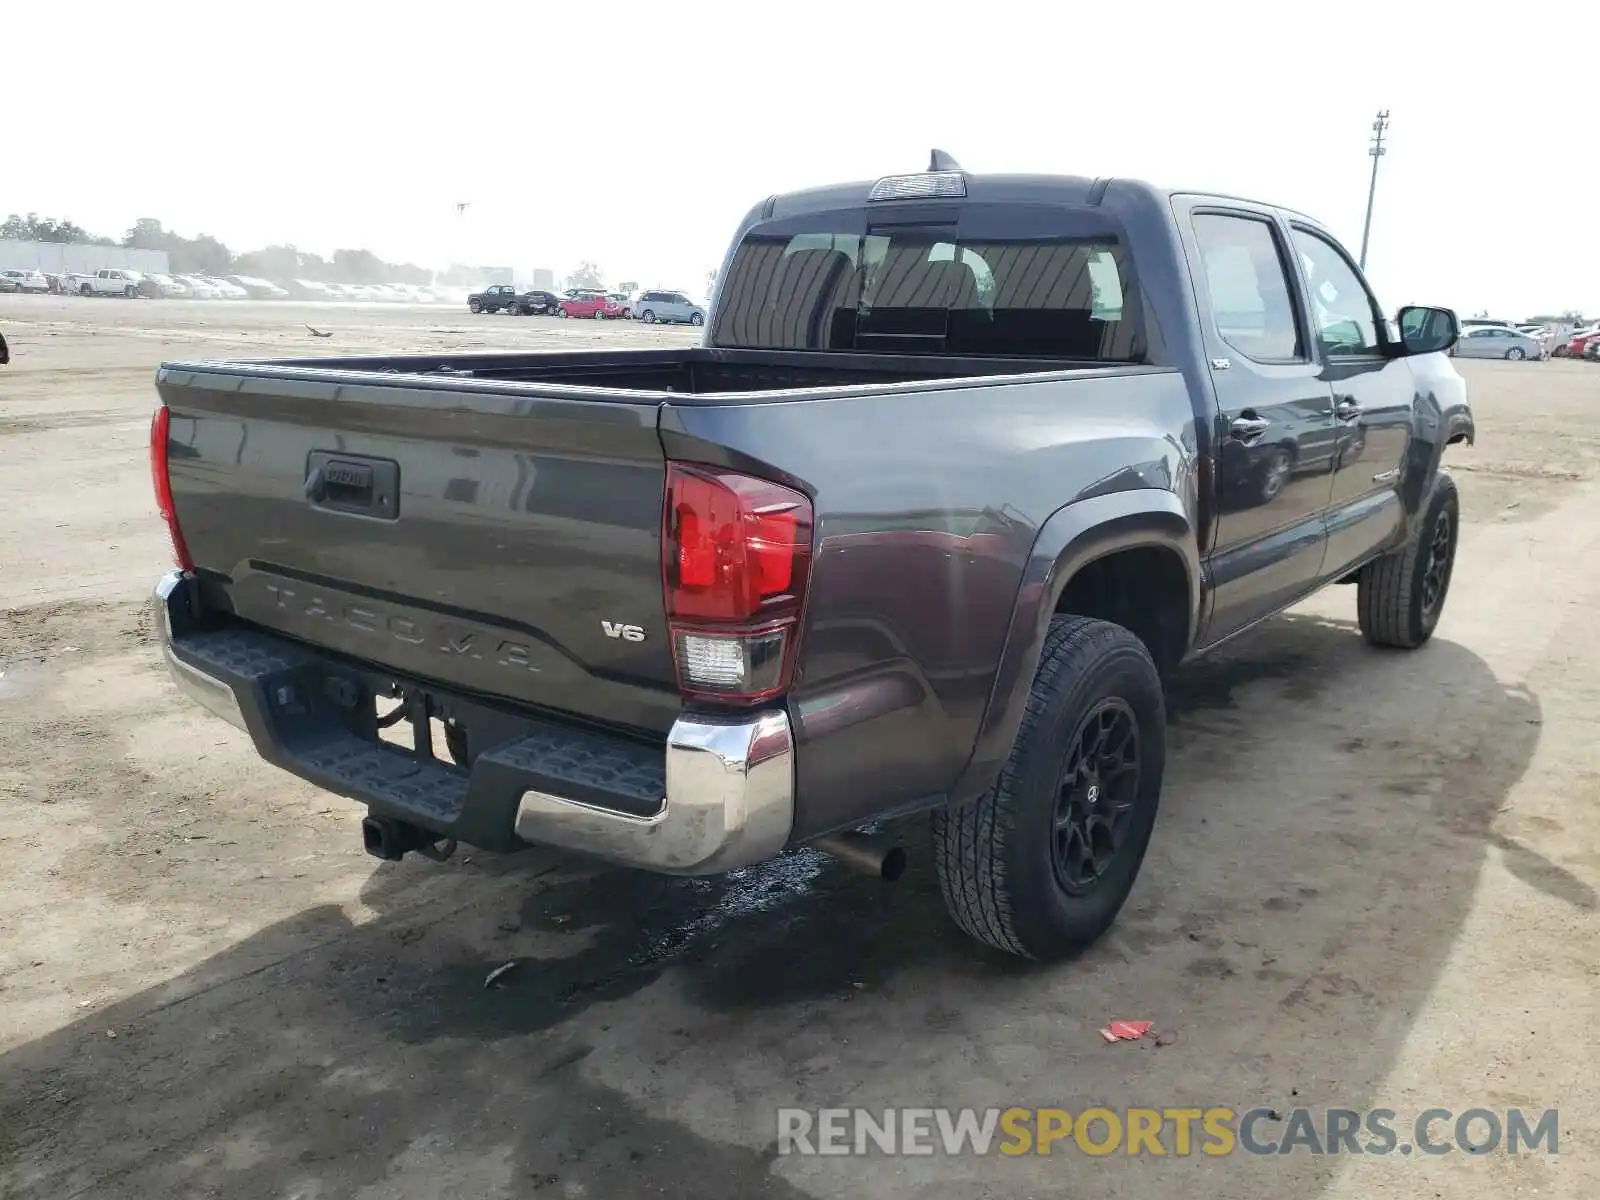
(1017, 281)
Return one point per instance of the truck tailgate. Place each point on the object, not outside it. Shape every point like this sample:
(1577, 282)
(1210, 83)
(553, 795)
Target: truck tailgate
(504, 544)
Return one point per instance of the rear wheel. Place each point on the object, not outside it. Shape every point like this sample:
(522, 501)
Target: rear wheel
(696, 319)
(599, 314)
(1515, 354)
(1400, 596)
(1042, 862)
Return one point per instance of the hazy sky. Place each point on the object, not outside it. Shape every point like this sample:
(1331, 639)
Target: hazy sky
(637, 135)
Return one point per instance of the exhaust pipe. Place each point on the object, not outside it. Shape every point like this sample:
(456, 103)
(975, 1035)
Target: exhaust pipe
(861, 852)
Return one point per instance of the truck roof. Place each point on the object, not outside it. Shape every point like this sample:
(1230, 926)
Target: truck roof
(1076, 190)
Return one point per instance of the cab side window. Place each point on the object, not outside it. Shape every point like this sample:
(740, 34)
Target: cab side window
(1344, 315)
(1248, 286)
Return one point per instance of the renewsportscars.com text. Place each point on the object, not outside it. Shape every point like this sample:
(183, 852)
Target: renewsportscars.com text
(1215, 1131)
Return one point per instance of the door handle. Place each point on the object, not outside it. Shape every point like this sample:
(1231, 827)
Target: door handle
(1248, 428)
(1346, 408)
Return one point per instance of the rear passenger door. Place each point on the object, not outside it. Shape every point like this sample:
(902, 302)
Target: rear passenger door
(1373, 394)
(1275, 434)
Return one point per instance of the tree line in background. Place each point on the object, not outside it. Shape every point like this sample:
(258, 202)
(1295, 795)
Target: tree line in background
(205, 255)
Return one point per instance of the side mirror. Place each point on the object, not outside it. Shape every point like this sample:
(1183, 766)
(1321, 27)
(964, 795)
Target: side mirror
(1427, 330)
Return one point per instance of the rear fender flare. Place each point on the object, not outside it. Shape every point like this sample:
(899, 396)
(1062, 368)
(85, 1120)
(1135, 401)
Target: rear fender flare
(1070, 539)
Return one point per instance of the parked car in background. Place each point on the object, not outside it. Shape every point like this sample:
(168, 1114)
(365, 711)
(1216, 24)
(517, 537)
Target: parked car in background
(8, 284)
(28, 281)
(1577, 341)
(1591, 349)
(226, 289)
(257, 289)
(198, 288)
(593, 304)
(1495, 341)
(160, 286)
(110, 282)
(623, 301)
(1483, 322)
(537, 301)
(654, 307)
(310, 289)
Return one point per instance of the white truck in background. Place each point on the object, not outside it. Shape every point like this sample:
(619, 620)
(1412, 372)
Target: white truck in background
(108, 282)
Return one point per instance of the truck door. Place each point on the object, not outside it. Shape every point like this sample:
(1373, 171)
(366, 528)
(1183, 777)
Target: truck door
(1275, 429)
(1372, 399)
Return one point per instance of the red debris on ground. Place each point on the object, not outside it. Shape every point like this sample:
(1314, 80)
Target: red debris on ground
(1126, 1031)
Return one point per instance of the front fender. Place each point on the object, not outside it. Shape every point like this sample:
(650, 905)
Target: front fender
(1073, 537)
(1440, 415)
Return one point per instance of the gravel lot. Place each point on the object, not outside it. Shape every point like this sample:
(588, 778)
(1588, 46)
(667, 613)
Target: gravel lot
(1373, 884)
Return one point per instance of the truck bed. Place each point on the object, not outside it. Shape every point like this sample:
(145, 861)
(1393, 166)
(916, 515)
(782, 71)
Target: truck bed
(682, 373)
(493, 522)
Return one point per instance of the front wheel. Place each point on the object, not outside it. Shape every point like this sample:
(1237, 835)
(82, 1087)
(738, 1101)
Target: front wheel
(648, 317)
(1515, 354)
(86, 290)
(561, 312)
(1399, 597)
(474, 307)
(1042, 862)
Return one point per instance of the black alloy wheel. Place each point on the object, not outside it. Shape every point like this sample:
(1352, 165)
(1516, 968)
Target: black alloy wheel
(1097, 796)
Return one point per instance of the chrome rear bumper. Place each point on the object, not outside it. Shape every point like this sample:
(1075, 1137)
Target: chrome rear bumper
(729, 802)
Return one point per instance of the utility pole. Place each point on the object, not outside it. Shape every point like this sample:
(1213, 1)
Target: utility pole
(1376, 151)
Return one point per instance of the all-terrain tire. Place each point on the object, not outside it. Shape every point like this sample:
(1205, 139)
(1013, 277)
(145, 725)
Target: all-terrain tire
(1393, 592)
(995, 858)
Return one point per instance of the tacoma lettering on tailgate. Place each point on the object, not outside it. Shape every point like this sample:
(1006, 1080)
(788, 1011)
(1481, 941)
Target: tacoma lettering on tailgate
(366, 617)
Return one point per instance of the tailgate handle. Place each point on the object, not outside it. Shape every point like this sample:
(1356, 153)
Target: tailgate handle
(353, 484)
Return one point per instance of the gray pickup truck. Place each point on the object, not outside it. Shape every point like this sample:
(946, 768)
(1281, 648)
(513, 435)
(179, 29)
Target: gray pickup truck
(965, 464)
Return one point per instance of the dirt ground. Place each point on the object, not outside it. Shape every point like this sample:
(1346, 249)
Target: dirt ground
(1373, 883)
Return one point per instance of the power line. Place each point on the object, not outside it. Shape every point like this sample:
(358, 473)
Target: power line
(1376, 150)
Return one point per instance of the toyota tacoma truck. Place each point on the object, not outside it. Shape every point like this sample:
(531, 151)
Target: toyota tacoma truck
(965, 465)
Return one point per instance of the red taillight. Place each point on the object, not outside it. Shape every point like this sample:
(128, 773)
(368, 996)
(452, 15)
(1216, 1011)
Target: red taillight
(162, 480)
(736, 559)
